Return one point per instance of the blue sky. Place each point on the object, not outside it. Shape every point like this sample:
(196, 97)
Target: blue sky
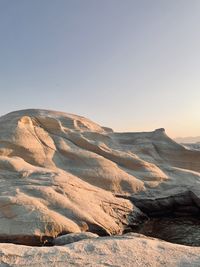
(132, 65)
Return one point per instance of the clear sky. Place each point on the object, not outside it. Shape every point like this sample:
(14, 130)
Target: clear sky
(133, 65)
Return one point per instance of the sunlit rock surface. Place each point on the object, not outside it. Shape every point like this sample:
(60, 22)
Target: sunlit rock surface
(52, 183)
(61, 173)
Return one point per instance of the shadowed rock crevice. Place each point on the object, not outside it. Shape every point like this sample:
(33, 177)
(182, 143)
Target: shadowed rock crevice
(183, 203)
(27, 240)
(174, 218)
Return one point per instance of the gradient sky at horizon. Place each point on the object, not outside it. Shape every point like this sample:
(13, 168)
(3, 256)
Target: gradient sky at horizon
(132, 65)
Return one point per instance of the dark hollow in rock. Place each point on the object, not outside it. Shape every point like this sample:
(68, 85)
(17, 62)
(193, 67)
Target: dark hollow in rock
(187, 203)
(175, 218)
(180, 230)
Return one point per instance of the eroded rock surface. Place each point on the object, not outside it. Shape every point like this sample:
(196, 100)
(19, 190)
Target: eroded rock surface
(44, 192)
(60, 173)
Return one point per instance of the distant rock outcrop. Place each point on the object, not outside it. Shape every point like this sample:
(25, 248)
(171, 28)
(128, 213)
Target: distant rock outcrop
(192, 146)
(185, 140)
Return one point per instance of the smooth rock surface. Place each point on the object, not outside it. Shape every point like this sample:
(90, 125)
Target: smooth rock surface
(43, 189)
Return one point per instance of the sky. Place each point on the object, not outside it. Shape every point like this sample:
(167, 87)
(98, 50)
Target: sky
(132, 65)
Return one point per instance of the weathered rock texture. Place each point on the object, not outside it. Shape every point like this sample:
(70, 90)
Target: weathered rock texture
(51, 186)
(60, 173)
(128, 250)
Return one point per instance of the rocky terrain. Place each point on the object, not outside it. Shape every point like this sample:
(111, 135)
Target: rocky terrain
(61, 173)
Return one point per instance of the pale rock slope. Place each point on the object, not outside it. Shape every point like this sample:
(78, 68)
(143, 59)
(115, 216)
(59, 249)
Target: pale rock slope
(61, 173)
(178, 168)
(47, 182)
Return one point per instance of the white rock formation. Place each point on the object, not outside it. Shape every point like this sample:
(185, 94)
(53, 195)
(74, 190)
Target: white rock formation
(59, 173)
(45, 180)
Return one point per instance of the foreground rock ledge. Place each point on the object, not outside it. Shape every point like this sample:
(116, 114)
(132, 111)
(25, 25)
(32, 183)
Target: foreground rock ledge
(127, 250)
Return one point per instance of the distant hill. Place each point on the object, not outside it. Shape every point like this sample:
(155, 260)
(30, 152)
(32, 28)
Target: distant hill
(187, 140)
(192, 146)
